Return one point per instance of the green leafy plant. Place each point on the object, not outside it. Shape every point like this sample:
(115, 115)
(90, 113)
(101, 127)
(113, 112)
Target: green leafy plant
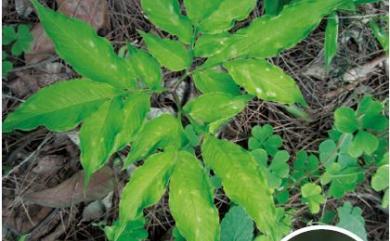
(112, 98)
(19, 39)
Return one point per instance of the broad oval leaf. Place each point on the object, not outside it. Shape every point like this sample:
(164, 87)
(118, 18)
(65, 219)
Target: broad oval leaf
(345, 120)
(214, 80)
(331, 36)
(191, 200)
(261, 40)
(266, 81)
(237, 169)
(134, 110)
(197, 10)
(224, 106)
(146, 68)
(145, 187)
(162, 132)
(170, 53)
(224, 16)
(97, 136)
(61, 106)
(90, 55)
(212, 44)
(166, 15)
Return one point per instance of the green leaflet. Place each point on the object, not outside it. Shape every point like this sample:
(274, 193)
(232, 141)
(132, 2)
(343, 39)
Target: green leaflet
(166, 15)
(191, 200)
(351, 219)
(261, 40)
(90, 55)
(97, 136)
(133, 231)
(331, 36)
(224, 107)
(273, 7)
(265, 80)
(162, 132)
(363, 142)
(380, 182)
(237, 169)
(61, 106)
(311, 195)
(236, 225)
(145, 187)
(212, 44)
(215, 80)
(197, 10)
(147, 68)
(134, 110)
(223, 17)
(380, 34)
(170, 53)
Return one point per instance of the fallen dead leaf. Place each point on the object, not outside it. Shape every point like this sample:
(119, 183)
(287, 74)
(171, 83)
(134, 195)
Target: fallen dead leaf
(95, 12)
(71, 191)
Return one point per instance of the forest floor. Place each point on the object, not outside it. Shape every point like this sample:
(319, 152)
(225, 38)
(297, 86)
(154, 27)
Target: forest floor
(39, 159)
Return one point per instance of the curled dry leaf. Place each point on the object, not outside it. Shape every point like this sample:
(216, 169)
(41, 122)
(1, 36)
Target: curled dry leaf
(71, 191)
(92, 11)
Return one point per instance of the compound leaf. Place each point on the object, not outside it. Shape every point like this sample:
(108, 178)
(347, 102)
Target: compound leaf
(225, 14)
(265, 80)
(78, 44)
(97, 136)
(351, 219)
(166, 15)
(61, 106)
(162, 132)
(237, 225)
(191, 200)
(331, 36)
(237, 168)
(170, 53)
(311, 195)
(23, 40)
(214, 80)
(145, 188)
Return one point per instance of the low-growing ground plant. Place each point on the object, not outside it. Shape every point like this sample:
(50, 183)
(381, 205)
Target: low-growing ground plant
(228, 66)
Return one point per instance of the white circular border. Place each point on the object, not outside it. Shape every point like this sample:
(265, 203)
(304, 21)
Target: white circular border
(322, 227)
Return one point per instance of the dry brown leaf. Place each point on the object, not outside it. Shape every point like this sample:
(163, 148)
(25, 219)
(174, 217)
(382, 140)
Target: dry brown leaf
(92, 11)
(71, 191)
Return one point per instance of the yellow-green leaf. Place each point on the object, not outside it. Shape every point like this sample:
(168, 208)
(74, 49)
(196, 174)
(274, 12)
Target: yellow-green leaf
(237, 169)
(215, 80)
(61, 106)
(97, 135)
(90, 55)
(162, 132)
(266, 81)
(197, 10)
(170, 53)
(146, 186)
(166, 15)
(191, 200)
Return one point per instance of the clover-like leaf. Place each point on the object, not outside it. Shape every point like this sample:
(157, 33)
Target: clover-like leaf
(351, 219)
(342, 179)
(23, 40)
(237, 225)
(363, 142)
(8, 34)
(328, 152)
(345, 120)
(311, 195)
(191, 200)
(265, 80)
(61, 106)
(305, 166)
(263, 137)
(380, 182)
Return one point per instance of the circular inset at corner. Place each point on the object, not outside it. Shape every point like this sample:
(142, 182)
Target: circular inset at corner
(322, 233)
